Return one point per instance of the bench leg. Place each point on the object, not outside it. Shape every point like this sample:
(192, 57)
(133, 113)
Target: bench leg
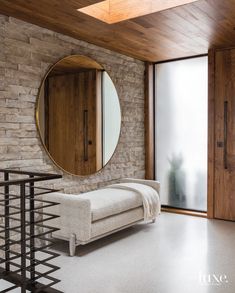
(72, 245)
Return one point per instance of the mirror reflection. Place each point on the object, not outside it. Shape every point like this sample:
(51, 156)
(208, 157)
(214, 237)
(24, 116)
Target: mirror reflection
(78, 115)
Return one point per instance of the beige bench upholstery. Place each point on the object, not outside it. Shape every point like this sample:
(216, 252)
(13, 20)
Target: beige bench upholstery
(103, 205)
(92, 215)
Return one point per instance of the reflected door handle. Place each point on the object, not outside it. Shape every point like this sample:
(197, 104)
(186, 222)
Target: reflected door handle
(220, 144)
(85, 133)
(225, 134)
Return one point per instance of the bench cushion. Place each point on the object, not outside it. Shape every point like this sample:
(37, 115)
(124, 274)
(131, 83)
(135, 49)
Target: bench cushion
(116, 222)
(110, 201)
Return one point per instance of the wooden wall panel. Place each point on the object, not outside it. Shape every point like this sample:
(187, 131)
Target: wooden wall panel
(149, 122)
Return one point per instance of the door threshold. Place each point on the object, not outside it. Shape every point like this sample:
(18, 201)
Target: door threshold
(184, 212)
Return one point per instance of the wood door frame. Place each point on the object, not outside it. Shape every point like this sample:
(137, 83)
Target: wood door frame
(99, 119)
(211, 134)
(150, 128)
(149, 121)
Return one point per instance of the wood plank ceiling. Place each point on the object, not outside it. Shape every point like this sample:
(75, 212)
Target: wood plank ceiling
(179, 32)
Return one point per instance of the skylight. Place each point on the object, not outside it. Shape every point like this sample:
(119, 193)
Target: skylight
(113, 11)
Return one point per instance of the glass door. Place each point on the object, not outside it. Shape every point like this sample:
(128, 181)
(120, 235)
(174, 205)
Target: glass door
(181, 105)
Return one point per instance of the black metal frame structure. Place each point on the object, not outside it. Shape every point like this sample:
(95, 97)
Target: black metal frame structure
(22, 211)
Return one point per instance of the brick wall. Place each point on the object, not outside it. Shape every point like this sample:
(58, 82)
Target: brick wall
(26, 53)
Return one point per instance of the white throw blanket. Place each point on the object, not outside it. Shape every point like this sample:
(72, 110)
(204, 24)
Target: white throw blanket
(150, 197)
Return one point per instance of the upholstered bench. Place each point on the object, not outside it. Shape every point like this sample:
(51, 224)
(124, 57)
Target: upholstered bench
(92, 215)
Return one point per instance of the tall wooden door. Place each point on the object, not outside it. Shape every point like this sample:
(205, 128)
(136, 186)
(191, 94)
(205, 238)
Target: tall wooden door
(224, 196)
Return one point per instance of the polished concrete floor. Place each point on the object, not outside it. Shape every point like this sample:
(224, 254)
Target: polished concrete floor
(177, 254)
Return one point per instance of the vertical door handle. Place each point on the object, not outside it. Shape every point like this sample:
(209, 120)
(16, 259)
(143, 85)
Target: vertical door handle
(225, 135)
(85, 133)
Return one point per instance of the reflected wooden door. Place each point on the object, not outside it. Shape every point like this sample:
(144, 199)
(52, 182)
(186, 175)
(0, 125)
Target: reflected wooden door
(225, 134)
(72, 134)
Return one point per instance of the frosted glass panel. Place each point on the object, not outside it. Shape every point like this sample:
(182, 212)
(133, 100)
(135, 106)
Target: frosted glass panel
(111, 112)
(181, 132)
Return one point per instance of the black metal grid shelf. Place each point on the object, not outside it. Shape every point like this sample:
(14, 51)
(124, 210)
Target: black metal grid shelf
(22, 211)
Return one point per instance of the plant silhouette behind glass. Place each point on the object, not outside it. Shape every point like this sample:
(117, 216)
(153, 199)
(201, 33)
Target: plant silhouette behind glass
(176, 181)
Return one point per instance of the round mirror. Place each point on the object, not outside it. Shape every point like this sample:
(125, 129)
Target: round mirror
(78, 115)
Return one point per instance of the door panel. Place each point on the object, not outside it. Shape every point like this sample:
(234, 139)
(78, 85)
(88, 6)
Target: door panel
(225, 134)
(71, 97)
